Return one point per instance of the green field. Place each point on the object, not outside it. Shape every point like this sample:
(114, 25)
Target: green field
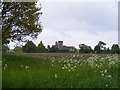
(57, 70)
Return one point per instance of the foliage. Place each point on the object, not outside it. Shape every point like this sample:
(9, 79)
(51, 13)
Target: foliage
(97, 49)
(20, 19)
(100, 48)
(115, 49)
(41, 47)
(73, 50)
(29, 47)
(85, 49)
(5, 48)
(18, 49)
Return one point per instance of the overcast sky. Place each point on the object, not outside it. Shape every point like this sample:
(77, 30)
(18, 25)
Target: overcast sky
(79, 22)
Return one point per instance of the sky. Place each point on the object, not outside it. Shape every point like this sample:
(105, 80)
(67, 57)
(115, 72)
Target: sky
(77, 23)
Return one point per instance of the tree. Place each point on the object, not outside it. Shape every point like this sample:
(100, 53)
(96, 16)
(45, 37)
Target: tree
(73, 50)
(29, 47)
(85, 49)
(41, 47)
(20, 19)
(102, 45)
(5, 48)
(115, 49)
(97, 49)
(108, 50)
(48, 47)
(18, 49)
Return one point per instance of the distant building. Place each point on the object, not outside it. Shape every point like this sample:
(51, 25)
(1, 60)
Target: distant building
(60, 47)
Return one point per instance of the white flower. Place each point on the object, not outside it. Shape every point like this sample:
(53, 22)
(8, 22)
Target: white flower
(73, 55)
(52, 64)
(69, 70)
(27, 67)
(68, 64)
(56, 76)
(105, 71)
(63, 68)
(53, 60)
(5, 65)
(106, 85)
(4, 68)
(21, 65)
(102, 74)
(109, 76)
(74, 66)
(73, 70)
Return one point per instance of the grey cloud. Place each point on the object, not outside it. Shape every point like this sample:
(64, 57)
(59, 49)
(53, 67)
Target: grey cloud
(80, 16)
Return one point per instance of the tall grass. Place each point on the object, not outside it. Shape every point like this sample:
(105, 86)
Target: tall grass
(30, 72)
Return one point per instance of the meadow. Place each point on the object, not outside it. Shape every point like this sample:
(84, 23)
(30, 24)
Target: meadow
(60, 70)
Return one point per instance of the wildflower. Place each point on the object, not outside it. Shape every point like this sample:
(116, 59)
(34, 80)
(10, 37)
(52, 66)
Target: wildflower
(21, 65)
(109, 76)
(4, 60)
(4, 68)
(69, 70)
(56, 76)
(73, 55)
(105, 71)
(72, 69)
(27, 67)
(63, 68)
(66, 67)
(5, 65)
(102, 74)
(53, 60)
(52, 64)
(74, 66)
(106, 85)
(68, 64)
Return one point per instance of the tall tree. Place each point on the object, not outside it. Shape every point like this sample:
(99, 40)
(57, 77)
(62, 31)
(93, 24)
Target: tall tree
(18, 49)
(97, 49)
(41, 47)
(102, 45)
(115, 49)
(108, 50)
(85, 48)
(20, 19)
(29, 47)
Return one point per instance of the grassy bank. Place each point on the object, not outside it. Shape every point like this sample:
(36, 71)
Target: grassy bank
(95, 71)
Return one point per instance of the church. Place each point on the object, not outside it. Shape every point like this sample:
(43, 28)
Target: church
(60, 47)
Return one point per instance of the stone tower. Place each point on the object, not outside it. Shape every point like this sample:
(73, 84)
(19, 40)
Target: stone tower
(60, 45)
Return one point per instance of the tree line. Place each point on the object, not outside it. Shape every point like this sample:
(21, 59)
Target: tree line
(30, 47)
(22, 19)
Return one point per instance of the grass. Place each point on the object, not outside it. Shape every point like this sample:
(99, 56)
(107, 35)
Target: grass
(38, 71)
